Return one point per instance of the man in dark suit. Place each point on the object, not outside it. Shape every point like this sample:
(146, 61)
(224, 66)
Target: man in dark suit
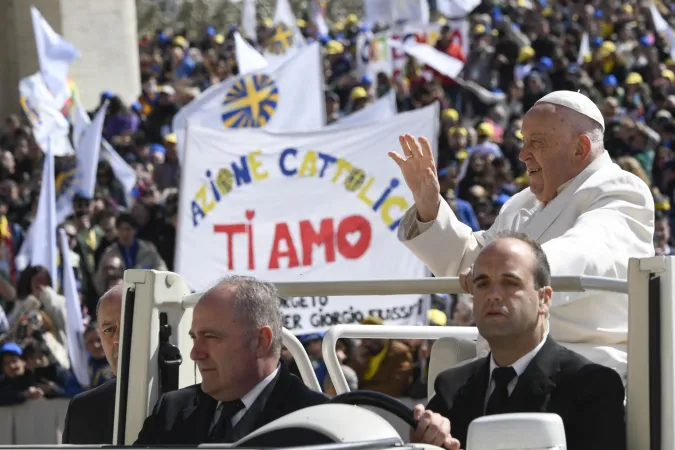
(527, 371)
(236, 333)
(91, 415)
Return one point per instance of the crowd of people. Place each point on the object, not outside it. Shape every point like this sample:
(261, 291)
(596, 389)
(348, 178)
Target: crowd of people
(518, 53)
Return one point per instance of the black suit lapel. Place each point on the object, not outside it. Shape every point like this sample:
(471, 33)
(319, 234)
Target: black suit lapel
(469, 401)
(251, 420)
(198, 418)
(276, 398)
(533, 390)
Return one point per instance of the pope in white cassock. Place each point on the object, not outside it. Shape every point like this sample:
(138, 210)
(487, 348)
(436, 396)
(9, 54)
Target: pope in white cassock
(589, 215)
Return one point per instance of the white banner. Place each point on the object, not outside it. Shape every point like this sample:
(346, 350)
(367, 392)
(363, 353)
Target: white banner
(311, 206)
(389, 12)
(374, 54)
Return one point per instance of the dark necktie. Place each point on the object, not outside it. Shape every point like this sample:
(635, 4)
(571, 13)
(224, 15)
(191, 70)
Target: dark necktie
(223, 427)
(499, 400)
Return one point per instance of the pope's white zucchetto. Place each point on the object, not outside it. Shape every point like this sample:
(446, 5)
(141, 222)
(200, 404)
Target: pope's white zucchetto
(577, 102)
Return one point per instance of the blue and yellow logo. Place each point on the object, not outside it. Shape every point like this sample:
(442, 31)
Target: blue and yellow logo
(281, 40)
(250, 102)
(65, 181)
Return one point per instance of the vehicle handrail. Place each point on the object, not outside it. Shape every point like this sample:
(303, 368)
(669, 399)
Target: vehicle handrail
(439, 285)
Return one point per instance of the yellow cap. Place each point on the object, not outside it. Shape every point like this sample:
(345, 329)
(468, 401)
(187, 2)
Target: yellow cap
(180, 41)
(627, 8)
(519, 134)
(450, 114)
(437, 317)
(525, 53)
(339, 26)
(359, 92)
(485, 129)
(457, 130)
(668, 74)
(301, 23)
(479, 29)
(171, 138)
(441, 21)
(268, 22)
(662, 204)
(334, 48)
(219, 38)
(372, 320)
(352, 19)
(633, 78)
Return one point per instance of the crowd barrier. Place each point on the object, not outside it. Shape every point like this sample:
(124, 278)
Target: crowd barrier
(35, 422)
(40, 422)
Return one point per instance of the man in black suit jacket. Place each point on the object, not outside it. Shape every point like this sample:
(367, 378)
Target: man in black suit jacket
(236, 332)
(91, 415)
(527, 371)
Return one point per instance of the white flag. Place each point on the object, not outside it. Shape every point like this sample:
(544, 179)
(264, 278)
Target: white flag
(41, 240)
(248, 58)
(124, 173)
(248, 19)
(55, 54)
(439, 61)
(664, 28)
(74, 324)
(382, 109)
(584, 48)
(50, 127)
(88, 150)
(318, 11)
(456, 8)
(287, 37)
(287, 98)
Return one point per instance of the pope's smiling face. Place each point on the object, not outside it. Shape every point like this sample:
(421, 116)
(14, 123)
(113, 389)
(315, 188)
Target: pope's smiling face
(554, 151)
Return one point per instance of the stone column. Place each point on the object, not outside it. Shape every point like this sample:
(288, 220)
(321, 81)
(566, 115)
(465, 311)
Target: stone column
(104, 31)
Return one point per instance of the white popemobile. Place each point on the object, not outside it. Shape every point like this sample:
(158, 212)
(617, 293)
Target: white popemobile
(156, 317)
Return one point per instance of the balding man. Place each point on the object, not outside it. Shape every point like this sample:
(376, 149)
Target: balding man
(91, 415)
(236, 334)
(527, 371)
(589, 215)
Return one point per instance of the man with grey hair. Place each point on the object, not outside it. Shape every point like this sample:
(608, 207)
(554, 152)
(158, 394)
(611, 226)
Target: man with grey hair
(589, 215)
(236, 333)
(91, 415)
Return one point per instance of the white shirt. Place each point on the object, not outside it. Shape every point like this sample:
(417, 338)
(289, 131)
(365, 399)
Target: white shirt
(247, 399)
(519, 366)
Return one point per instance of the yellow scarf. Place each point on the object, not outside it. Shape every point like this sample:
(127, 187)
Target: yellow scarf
(374, 363)
(5, 232)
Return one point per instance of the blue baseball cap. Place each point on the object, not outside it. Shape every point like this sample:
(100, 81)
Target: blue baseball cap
(610, 80)
(157, 148)
(546, 62)
(11, 347)
(307, 338)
